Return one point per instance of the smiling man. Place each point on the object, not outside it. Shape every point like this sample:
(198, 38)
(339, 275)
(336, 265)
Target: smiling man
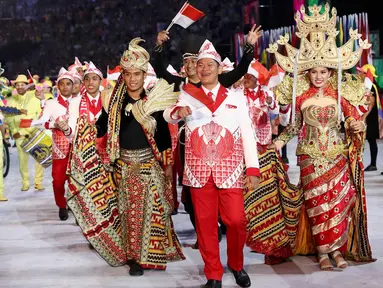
(219, 141)
(54, 112)
(139, 147)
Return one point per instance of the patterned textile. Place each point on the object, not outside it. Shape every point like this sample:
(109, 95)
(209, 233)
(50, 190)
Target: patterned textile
(273, 210)
(101, 201)
(60, 145)
(210, 149)
(329, 198)
(358, 246)
(145, 203)
(92, 198)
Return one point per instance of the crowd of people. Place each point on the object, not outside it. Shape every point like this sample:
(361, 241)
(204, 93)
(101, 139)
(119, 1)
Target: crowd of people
(115, 149)
(99, 30)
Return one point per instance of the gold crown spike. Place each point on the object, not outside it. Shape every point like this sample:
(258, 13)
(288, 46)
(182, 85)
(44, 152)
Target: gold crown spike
(318, 43)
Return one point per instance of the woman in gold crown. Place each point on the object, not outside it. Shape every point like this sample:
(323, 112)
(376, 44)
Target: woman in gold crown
(331, 167)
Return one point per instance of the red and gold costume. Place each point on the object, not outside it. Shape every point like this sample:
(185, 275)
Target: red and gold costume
(331, 167)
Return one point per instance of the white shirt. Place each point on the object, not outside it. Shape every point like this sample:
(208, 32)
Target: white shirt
(91, 98)
(214, 91)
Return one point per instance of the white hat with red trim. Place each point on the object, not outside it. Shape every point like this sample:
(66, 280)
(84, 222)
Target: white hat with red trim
(227, 65)
(76, 64)
(93, 69)
(64, 74)
(207, 50)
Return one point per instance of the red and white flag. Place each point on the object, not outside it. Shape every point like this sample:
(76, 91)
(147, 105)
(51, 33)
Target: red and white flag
(113, 74)
(258, 71)
(368, 80)
(187, 16)
(275, 76)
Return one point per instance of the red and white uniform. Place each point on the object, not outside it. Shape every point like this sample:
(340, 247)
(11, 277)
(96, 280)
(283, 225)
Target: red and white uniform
(57, 110)
(219, 136)
(219, 141)
(261, 112)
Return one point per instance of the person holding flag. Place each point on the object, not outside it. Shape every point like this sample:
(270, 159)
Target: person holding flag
(367, 72)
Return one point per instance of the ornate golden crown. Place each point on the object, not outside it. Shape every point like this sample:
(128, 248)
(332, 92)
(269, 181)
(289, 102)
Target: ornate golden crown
(135, 56)
(319, 49)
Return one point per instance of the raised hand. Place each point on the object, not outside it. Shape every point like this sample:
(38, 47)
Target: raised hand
(162, 37)
(254, 35)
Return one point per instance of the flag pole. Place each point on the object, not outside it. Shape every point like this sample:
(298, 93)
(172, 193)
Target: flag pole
(174, 19)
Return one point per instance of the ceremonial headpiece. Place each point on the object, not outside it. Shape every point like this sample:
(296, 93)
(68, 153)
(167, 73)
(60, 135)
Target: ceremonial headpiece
(227, 65)
(318, 48)
(76, 64)
(75, 74)
(93, 69)
(207, 50)
(64, 74)
(135, 56)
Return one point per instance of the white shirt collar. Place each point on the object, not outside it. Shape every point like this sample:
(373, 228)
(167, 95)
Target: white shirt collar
(214, 91)
(93, 98)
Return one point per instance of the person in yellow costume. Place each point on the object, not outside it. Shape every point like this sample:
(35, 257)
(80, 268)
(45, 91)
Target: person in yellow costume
(31, 105)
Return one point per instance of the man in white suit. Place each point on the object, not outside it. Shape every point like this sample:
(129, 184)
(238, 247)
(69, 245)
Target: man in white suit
(219, 141)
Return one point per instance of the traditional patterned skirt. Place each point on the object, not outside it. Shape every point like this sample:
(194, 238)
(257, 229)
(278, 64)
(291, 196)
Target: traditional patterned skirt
(145, 205)
(330, 195)
(98, 205)
(273, 209)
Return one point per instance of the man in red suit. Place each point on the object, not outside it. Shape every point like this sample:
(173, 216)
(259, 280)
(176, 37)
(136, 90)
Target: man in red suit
(55, 116)
(219, 141)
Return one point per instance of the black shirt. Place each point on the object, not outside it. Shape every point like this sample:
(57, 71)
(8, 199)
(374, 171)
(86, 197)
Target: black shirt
(132, 135)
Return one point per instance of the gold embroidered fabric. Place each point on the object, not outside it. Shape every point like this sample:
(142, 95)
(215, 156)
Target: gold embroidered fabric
(352, 88)
(160, 97)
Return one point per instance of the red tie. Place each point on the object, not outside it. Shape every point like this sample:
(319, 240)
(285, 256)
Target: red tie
(210, 95)
(93, 108)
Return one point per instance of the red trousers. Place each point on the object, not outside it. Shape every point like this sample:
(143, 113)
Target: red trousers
(59, 177)
(207, 201)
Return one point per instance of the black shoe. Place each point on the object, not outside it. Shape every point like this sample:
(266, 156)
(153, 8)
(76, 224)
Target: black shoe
(63, 214)
(219, 234)
(241, 278)
(381, 173)
(213, 284)
(370, 168)
(136, 270)
(195, 246)
(285, 160)
(175, 212)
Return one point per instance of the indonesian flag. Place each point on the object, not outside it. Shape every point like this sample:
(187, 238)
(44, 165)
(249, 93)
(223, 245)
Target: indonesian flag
(187, 16)
(113, 74)
(276, 75)
(368, 80)
(258, 71)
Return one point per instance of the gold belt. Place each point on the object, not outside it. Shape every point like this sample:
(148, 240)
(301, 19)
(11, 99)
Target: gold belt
(137, 155)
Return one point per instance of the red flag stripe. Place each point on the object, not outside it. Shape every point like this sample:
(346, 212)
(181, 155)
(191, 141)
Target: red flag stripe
(192, 13)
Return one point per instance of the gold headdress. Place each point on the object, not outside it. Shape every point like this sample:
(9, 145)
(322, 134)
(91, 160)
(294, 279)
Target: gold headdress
(319, 49)
(135, 56)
